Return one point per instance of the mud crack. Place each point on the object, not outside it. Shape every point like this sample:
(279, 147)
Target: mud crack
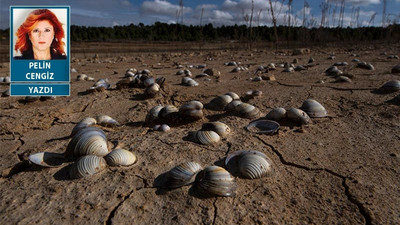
(215, 210)
(353, 199)
(112, 213)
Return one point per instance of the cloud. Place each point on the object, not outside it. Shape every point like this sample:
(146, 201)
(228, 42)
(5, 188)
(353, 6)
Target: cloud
(160, 7)
(360, 2)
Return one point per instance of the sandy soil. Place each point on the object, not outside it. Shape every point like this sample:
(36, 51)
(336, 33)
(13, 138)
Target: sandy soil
(343, 169)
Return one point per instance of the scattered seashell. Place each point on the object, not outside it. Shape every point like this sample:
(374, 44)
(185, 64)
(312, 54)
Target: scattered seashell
(164, 128)
(187, 81)
(192, 109)
(220, 128)
(216, 180)
(233, 95)
(254, 93)
(202, 75)
(271, 66)
(355, 60)
(276, 114)
(87, 141)
(86, 166)
(365, 65)
(149, 81)
(256, 79)
(231, 63)
(206, 137)
(268, 127)
(390, 86)
(333, 71)
(247, 111)
(396, 69)
(299, 68)
(153, 113)
(298, 116)
(73, 70)
(232, 105)
(249, 164)
(81, 77)
(340, 64)
(343, 79)
(85, 122)
(152, 90)
(106, 121)
(183, 174)
(47, 159)
(120, 157)
(167, 110)
(313, 108)
(219, 103)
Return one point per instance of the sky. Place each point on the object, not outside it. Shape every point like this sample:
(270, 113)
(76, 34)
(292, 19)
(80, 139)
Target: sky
(224, 12)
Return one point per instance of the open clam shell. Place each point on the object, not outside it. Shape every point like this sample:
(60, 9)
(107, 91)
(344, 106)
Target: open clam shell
(247, 111)
(206, 137)
(120, 157)
(298, 116)
(219, 103)
(276, 114)
(220, 128)
(87, 141)
(153, 113)
(47, 159)
(183, 174)
(192, 109)
(86, 166)
(268, 127)
(313, 108)
(215, 180)
(106, 121)
(249, 164)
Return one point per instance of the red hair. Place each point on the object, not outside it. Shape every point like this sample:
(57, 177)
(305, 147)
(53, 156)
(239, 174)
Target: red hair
(23, 44)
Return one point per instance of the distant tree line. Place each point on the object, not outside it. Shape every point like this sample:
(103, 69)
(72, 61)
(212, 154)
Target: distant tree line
(177, 32)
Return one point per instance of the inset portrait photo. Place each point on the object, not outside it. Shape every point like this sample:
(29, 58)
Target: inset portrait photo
(39, 34)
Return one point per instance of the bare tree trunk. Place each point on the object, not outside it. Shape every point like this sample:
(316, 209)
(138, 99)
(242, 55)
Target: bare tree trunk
(384, 13)
(251, 21)
(274, 22)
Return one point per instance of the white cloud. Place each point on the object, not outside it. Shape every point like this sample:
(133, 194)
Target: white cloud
(360, 2)
(160, 7)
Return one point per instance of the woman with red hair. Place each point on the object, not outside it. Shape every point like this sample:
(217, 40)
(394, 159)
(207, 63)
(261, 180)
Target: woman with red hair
(40, 37)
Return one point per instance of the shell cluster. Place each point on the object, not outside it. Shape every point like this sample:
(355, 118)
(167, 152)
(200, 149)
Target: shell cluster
(100, 85)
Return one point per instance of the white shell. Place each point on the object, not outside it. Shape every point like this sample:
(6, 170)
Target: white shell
(120, 157)
(313, 108)
(219, 103)
(192, 109)
(298, 116)
(249, 164)
(220, 128)
(85, 122)
(216, 180)
(247, 111)
(233, 95)
(268, 127)
(232, 105)
(276, 114)
(183, 174)
(87, 141)
(152, 90)
(207, 137)
(187, 81)
(106, 121)
(86, 166)
(153, 113)
(47, 159)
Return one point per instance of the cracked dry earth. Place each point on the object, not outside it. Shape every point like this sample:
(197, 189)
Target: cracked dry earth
(343, 169)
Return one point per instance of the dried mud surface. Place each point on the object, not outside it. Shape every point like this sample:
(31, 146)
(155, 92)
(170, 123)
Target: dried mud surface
(344, 169)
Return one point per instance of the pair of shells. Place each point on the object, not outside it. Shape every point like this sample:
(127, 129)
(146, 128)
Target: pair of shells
(333, 71)
(249, 164)
(293, 114)
(220, 102)
(187, 81)
(160, 112)
(102, 120)
(192, 110)
(238, 69)
(91, 164)
(213, 180)
(365, 65)
(211, 133)
(185, 72)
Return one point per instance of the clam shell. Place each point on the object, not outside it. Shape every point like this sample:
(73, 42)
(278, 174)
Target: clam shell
(207, 137)
(268, 127)
(187, 81)
(167, 110)
(130, 73)
(254, 93)
(390, 86)
(152, 90)
(247, 111)
(220, 128)
(81, 77)
(87, 141)
(192, 109)
(298, 116)
(120, 157)
(343, 79)
(85, 122)
(86, 166)
(333, 71)
(219, 103)
(153, 113)
(313, 108)
(47, 159)
(183, 174)
(149, 81)
(106, 121)
(365, 65)
(276, 114)
(216, 180)
(249, 164)
(232, 105)
(164, 128)
(299, 68)
(233, 95)
(180, 72)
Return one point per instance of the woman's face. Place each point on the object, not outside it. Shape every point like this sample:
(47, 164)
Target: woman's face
(42, 35)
